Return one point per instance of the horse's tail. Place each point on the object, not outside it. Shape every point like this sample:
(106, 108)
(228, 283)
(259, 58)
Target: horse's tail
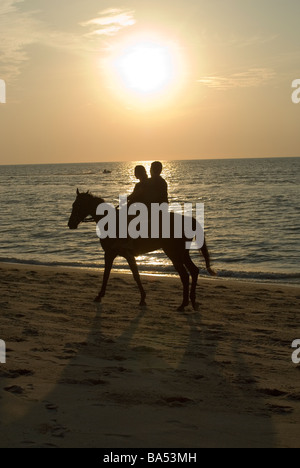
(205, 253)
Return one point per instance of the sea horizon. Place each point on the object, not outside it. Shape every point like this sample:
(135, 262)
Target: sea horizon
(150, 160)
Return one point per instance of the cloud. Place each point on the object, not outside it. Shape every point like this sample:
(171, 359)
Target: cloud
(110, 22)
(256, 40)
(17, 31)
(251, 78)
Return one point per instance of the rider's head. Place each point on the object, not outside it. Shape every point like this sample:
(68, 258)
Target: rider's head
(140, 173)
(156, 169)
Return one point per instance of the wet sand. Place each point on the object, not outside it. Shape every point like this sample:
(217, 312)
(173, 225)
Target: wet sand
(116, 376)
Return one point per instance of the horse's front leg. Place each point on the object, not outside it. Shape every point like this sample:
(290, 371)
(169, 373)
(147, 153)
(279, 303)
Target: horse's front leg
(133, 266)
(109, 260)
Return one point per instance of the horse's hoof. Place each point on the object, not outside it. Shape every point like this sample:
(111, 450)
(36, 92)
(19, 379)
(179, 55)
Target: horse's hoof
(181, 308)
(196, 307)
(212, 272)
(143, 304)
(98, 299)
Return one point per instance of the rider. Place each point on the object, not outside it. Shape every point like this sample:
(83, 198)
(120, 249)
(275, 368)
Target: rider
(138, 194)
(158, 187)
(148, 191)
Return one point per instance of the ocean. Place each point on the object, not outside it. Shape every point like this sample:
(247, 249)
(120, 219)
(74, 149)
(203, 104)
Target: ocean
(252, 213)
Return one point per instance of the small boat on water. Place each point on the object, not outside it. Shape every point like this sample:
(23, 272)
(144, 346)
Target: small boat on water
(106, 171)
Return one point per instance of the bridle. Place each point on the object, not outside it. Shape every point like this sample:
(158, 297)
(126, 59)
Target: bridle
(78, 220)
(77, 217)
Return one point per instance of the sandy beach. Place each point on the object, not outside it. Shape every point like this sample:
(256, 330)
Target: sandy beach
(116, 376)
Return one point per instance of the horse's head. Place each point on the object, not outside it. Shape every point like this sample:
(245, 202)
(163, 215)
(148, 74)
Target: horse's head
(82, 208)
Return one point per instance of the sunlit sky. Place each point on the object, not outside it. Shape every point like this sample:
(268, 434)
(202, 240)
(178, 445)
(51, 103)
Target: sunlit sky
(99, 80)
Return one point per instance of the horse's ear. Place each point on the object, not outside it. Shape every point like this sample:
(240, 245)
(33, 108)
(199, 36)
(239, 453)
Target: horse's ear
(78, 193)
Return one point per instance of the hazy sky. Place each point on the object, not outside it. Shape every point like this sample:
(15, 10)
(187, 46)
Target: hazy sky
(228, 94)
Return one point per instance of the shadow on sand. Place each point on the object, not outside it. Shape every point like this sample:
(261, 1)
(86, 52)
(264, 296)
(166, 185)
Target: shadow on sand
(167, 380)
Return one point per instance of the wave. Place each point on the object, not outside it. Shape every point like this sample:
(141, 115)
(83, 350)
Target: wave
(261, 276)
(168, 270)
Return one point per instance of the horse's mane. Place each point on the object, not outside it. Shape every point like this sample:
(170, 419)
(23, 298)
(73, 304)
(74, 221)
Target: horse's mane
(91, 196)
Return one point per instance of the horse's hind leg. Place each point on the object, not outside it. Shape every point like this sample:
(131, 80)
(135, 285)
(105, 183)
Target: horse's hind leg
(176, 255)
(194, 271)
(133, 266)
(184, 276)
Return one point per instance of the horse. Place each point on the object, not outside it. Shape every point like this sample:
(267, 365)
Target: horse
(86, 205)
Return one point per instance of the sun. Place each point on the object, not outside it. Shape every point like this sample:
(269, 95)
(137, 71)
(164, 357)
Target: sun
(145, 67)
(145, 71)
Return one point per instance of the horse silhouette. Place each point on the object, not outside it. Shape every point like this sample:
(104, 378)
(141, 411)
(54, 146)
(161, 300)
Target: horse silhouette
(176, 249)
